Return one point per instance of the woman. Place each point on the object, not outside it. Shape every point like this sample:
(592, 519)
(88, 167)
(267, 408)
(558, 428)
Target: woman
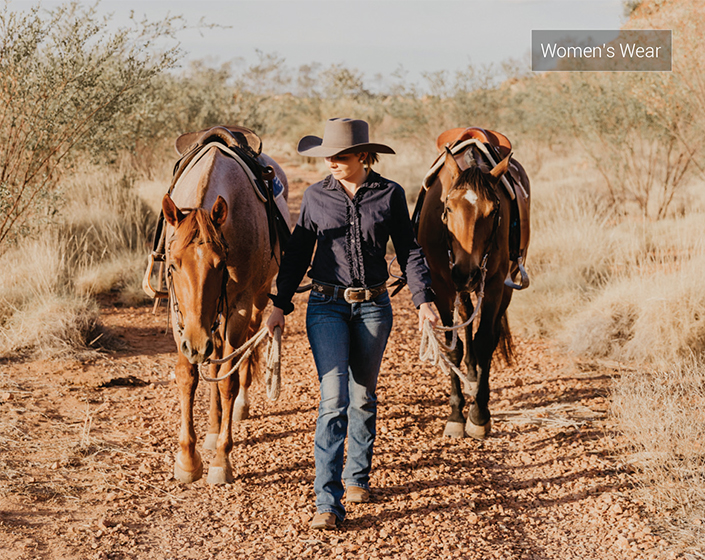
(348, 219)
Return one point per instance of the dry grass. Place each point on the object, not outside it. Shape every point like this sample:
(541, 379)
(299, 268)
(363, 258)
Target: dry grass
(99, 247)
(658, 318)
(606, 285)
(662, 415)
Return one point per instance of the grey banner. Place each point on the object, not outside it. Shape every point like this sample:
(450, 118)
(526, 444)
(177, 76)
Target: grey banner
(625, 50)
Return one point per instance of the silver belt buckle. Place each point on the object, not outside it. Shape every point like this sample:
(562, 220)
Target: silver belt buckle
(352, 295)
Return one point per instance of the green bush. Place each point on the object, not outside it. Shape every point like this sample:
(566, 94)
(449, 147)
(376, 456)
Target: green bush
(69, 87)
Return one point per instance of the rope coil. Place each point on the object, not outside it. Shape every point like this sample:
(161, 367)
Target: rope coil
(434, 351)
(272, 374)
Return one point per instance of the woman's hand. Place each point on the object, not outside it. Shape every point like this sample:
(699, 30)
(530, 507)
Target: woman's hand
(426, 312)
(275, 319)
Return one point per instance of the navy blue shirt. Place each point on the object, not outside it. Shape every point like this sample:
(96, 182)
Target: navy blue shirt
(350, 240)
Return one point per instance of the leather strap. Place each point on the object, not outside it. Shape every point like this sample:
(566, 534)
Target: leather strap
(350, 295)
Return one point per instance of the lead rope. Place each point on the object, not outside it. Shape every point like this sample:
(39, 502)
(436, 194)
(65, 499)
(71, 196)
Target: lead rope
(435, 351)
(272, 376)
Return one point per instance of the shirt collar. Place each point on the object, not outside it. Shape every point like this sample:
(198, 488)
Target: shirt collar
(373, 181)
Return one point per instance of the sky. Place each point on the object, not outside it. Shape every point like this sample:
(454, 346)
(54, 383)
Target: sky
(370, 36)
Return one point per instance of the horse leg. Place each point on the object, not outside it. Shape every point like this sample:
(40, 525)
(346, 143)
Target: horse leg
(242, 402)
(470, 359)
(220, 470)
(455, 424)
(479, 423)
(188, 466)
(214, 413)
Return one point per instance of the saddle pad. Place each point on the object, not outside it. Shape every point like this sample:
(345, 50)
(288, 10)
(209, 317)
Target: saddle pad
(230, 153)
(455, 150)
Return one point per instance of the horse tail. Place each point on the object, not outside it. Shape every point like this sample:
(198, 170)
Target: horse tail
(506, 343)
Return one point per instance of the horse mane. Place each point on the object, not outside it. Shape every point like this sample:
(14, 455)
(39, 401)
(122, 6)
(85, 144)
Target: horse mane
(480, 182)
(197, 227)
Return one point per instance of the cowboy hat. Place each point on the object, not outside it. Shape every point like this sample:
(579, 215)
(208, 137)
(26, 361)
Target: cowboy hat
(341, 136)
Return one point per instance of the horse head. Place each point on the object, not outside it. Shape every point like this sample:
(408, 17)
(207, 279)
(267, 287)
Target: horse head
(197, 275)
(471, 214)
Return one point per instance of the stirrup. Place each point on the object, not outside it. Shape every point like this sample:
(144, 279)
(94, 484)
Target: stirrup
(523, 275)
(147, 281)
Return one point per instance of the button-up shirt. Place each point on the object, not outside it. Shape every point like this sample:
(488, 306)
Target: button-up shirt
(350, 240)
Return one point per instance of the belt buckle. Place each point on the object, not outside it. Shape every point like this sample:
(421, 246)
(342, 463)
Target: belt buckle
(352, 295)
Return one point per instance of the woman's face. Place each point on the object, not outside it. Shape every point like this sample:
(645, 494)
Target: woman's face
(347, 167)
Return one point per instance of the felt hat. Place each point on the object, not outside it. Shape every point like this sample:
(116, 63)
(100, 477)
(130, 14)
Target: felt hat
(341, 136)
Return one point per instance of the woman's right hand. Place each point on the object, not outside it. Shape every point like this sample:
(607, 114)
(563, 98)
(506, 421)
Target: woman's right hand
(275, 319)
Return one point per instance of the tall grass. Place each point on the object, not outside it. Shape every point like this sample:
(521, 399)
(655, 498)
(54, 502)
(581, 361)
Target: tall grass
(662, 416)
(48, 283)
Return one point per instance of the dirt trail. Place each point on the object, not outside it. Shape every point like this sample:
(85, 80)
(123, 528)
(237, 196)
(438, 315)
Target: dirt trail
(86, 462)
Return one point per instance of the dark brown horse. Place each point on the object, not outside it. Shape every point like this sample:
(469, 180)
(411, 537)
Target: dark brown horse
(464, 229)
(220, 267)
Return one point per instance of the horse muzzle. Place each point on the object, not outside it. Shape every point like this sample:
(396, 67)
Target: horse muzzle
(463, 280)
(196, 354)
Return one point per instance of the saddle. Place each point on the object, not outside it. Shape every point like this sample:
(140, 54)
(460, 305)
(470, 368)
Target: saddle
(455, 136)
(243, 145)
(493, 147)
(233, 136)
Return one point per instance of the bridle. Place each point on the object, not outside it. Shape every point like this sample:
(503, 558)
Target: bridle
(496, 219)
(222, 305)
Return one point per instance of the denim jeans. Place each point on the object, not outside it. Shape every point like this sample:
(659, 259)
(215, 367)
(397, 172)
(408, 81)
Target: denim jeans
(347, 341)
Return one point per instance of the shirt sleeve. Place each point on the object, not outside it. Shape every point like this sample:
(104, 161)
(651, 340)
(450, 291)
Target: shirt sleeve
(295, 260)
(409, 253)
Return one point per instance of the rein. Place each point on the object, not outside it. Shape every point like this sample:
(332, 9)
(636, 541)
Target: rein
(273, 370)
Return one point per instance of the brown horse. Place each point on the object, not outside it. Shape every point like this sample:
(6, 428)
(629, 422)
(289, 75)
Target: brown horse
(464, 229)
(220, 267)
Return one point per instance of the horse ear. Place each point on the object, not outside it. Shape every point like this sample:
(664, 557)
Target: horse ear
(219, 211)
(452, 165)
(172, 214)
(501, 168)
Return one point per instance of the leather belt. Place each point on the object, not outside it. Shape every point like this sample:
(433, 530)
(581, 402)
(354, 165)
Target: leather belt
(350, 295)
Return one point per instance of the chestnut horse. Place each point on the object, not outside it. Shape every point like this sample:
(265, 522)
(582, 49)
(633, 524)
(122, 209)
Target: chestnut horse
(220, 266)
(464, 229)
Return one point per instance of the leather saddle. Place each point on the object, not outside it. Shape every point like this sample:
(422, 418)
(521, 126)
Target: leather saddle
(233, 136)
(454, 136)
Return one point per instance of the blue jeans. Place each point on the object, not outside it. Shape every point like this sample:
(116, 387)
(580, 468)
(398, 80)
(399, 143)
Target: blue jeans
(348, 342)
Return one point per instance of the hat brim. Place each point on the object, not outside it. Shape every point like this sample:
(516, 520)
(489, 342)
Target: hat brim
(312, 146)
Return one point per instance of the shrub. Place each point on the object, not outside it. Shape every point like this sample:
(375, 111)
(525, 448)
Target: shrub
(67, 86)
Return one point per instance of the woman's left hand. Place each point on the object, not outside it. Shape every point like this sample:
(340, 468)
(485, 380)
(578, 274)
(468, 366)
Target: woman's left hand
(426, 312)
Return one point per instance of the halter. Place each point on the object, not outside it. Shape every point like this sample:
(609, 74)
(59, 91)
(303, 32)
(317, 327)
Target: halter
(222, 298)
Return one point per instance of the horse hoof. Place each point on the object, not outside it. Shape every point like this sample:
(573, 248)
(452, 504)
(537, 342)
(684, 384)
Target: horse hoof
(454, 429)
(220, 475)
(210, 442)
(478, 432)
(241, 412)
(185, 476)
